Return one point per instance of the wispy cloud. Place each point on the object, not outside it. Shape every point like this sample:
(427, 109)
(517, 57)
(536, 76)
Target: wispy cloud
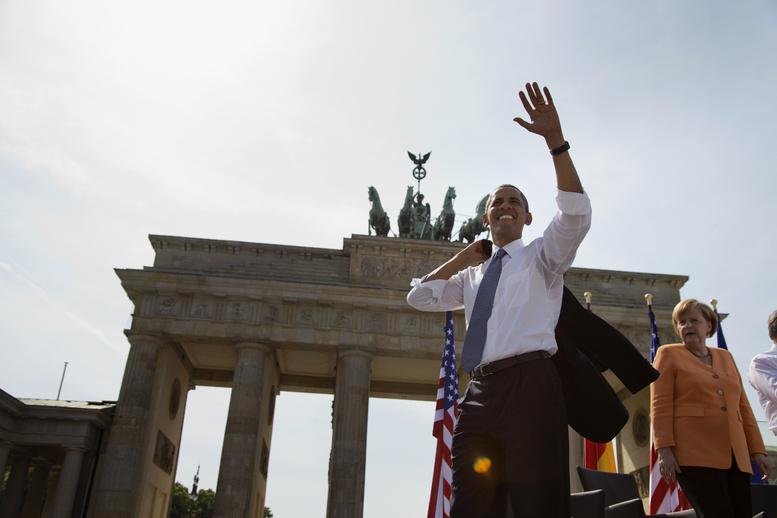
(63, 308)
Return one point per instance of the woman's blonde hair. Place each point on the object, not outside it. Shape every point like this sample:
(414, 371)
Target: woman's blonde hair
(687, 306)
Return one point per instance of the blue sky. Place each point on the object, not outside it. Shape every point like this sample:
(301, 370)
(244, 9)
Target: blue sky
(267, 122)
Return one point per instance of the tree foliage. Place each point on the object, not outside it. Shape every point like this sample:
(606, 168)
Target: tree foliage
(183, 506)
(203, 507)
(179, 507)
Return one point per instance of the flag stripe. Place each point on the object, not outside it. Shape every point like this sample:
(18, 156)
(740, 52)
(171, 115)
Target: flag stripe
(600, 457)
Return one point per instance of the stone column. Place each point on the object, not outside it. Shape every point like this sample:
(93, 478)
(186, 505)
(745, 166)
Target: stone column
(51, 496)
(349, 435)
(117, 490)
(36, 492)
(14, 487)
(236, 483)
(68, 482)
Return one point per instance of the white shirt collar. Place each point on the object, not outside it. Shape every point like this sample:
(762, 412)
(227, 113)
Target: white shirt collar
(513, 246)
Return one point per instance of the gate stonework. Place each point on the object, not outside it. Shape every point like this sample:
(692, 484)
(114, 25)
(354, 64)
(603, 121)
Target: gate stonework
(262, 318)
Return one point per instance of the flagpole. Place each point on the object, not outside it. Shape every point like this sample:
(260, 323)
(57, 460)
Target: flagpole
(61, 381)
(590, 455)
(649, 300)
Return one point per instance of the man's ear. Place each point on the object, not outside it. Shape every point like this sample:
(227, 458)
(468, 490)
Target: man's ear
(485, 220)
(528, 219)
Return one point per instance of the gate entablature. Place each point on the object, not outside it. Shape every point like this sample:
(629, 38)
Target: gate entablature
(306, 303)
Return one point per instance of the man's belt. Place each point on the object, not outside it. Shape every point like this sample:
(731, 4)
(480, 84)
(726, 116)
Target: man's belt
(505, 363)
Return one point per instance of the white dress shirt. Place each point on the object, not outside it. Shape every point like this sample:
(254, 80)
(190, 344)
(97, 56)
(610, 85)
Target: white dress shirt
(527, 302)
(762, 374)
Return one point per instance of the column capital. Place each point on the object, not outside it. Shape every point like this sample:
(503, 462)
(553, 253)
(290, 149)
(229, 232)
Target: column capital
(85, 443)
(74, 447)
(253, 345)
(343, 353)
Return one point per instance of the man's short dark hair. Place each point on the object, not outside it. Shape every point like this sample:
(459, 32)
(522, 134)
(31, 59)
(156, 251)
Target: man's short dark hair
(523, 196)
(773, 326)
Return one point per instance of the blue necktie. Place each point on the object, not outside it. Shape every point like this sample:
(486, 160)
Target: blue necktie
(481, 312)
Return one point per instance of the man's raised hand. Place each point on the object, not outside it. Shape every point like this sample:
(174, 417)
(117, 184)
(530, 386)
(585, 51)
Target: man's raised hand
(542, 112)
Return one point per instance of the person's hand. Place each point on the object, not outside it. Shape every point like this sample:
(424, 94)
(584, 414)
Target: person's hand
(667, 465)
(543, 115)
(764, 468)
(479, 251)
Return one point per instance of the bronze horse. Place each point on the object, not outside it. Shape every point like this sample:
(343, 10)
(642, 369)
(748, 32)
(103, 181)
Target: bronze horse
(444, 224)
(379, 220)
(406, 215)
(472, 227)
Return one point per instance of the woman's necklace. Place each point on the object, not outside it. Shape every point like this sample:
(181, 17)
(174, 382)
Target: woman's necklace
(705, 358)
(702, 356)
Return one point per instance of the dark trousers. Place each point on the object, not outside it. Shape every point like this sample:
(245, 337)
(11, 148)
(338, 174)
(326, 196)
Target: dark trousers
(717, 493)
(511, 444)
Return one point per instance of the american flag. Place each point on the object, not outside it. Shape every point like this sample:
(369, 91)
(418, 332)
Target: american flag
(664, 498)
(445, 417)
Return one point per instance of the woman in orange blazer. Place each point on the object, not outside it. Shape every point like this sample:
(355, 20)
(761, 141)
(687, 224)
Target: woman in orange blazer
(704, 430)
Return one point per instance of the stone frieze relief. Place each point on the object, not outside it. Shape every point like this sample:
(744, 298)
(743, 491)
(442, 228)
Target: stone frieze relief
(395, 268)
(403, 320)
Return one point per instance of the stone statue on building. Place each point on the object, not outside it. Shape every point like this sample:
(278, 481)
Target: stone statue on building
(444, 224)
(474, 226)
(406, 215)
(422, 228)
(379, 220)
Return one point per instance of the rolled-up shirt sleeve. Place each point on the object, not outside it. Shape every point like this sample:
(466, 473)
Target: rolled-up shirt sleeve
(566, 231)
(573, 203)
(436, 295)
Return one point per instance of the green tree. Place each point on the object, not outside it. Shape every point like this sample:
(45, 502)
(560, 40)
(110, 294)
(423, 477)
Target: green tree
(183, 506)
(179, 507)
(203, 506)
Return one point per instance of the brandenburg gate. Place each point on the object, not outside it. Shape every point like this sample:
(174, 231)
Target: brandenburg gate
(263, 318)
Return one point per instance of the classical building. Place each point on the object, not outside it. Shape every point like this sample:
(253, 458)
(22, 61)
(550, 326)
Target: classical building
(56, 445)
(263, 318)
